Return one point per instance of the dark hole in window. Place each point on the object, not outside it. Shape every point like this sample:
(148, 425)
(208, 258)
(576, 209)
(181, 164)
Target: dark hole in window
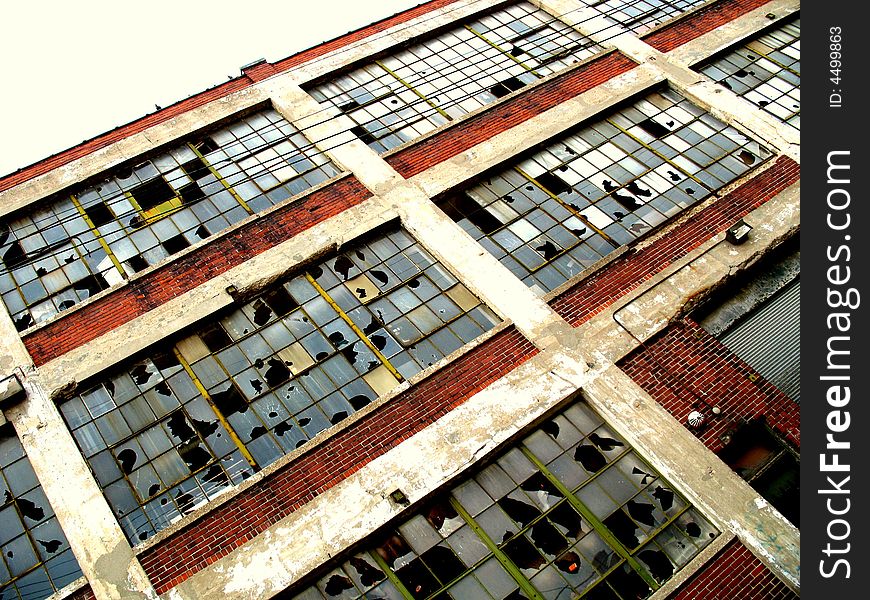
(553, 183)
(99, 214)
(14, 255)
(503, 88)
(443, 563)
(165, 360)
(628, 584)
(656, 130)
(195, 168)
(215, 338)
(153, 193)
(206, 145)
(280, 301)
(176, 244)
(191, 193)
(348, 106)
(362, 134)
(91, 284)
(417, 579)
(229, 401)
(623, 528)
(765, 462)
(23, 322)
(462, 207)
(517, 51)
(137, 263)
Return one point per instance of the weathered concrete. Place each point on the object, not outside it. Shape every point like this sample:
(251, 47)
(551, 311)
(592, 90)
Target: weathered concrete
(90, 526)
(346, 513)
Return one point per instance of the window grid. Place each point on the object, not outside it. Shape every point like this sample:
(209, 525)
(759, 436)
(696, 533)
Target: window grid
(765, 71)
(77, 246)
(416, 90)
(595, 522)
(642, 15)
(176, 429)
(35, 557)
(557, 213)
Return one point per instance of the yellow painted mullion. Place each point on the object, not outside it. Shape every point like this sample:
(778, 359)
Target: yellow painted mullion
(659, 154)
(568, 206)
(218, 176)
(362, 336)
(223, 420)
(413, 89)
(500, 49)
(96, 233)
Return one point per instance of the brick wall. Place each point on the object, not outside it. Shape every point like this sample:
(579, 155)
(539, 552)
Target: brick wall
(195, 268)
(215, 93)
(734, 574)
(697, 24)
(220, 531)
(685, 368)
(467, 133)
(85, 593)
(595, 293)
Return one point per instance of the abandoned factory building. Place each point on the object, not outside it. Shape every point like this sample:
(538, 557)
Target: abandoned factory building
(487, 300)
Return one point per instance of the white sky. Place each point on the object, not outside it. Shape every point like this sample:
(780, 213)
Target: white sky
(71, 70)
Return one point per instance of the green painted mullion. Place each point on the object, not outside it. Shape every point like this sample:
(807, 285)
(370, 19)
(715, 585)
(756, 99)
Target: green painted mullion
(514, 571)
(596, 523)
(394, 579)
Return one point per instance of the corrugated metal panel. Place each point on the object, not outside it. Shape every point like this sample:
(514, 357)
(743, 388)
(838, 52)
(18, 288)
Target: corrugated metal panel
(770, 340)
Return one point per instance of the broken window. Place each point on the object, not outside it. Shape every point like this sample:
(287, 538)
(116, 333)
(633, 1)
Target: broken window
(766, 71)
(413, 91)
(643, 15)
(35, 557)
(557, 213)
(570, 510)
(74, 247)
(178, 427)
(770, 466)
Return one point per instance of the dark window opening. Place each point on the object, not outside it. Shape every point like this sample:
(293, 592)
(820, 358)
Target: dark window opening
(657, 130)
(205, 145)
(153, 193)
(349, 106)
(137, 263)
(553, 183)
(502, 89)
(770, 467)
(463, 207)
(99, 214)
(176, 244)
(14, 255)
(362, 134)
(191, 193)
(195, 168)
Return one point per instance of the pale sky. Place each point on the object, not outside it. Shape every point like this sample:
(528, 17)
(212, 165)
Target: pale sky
(70, 70)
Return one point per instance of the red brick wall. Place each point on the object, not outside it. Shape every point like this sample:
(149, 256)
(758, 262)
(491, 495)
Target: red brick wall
(215, 93)
(254, 510)
(179, 276)
(85, 593)
(595, 293)
(470, 132)
(685, 362)
(734, 574)
(697, 24)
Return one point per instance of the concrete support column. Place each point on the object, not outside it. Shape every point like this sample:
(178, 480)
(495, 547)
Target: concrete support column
(94, 535)
(699, 474)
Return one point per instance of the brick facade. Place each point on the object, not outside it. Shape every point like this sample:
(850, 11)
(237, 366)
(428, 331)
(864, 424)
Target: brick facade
(685, 369)
(598, 291)
(734, 574)
(468, 133)
(698, 23)
(174, 278)
(270, 500)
